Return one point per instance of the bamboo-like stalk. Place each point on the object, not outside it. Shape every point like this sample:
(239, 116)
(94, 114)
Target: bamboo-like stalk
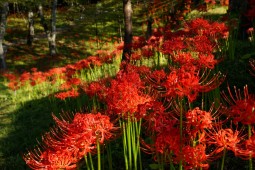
(250, 159)
(223, 159)
(98, 155)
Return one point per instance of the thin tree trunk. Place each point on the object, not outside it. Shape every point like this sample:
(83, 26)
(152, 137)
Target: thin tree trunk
(127, 9)
(51, 34)
(52, 38)
(31, 32)
(149, 19)
(42, 19)
(3, 49)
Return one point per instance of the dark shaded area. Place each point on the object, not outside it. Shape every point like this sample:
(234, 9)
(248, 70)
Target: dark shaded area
(29, 122)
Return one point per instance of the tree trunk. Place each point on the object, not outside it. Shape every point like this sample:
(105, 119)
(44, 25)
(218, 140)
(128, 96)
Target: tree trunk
(150, 19)
(3, 49)
(31, 32)
(127, 9)
(52, 38)
(51, 34)
(42, 19)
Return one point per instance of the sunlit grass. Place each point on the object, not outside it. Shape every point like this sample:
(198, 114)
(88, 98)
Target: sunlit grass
(212, 13)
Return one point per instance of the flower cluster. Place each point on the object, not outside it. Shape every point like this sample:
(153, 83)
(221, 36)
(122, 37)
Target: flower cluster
(69, 141)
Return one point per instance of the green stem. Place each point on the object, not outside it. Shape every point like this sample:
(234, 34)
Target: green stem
(98, 155)
(223, 159)
(109, 155)
(86, 161)
(138, 145)
(129, 143)
(250, 159)
(124, 143)
(91, 161)
(171, 161)
(181, 132)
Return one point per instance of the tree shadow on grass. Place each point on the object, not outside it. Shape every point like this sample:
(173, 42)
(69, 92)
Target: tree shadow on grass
(27, 122)
(21, 58)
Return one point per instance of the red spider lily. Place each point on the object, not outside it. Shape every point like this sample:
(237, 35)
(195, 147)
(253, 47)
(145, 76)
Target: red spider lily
(184, 58)
(24, 78)
(13, 81)
(147, 52)
(200, 61)
(186, 81)
(154, 41)
(108, 59)
(38, 77)
(151, 113)
(10, 76)
(66, 144)
(94, 61)
(168, 141)
(156, 77)
(125, 93)
(223, 139)
(98, 125)
(138, 42)
(71, 93)
(181, 82)
(212, 30)
(218, 30)
(135, 56)
(56, 71)
(246, 149)
(194, 157)
(14, 85)
(70, 70)
(65, 86)
(94, 88)
(197, 120)
(206, 61)
(250, 144)
(202, 44)
(50, 159)
(242, 107)
(74, 81)
(82, 64)
(170, 46)
(198, 26)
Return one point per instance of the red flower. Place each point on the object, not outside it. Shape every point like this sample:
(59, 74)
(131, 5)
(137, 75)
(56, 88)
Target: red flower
(74, 81)
(94, 88)
(195, 157)
(173, 45)
(242, 107)
(198, 120)
(125, 93)
(223, 139)
(184, 58)
(66, 144)
(207, 61)
(151, 112)
(167, 135)
(183, 82)
(202, 44)
(50, 159)
(71, 93)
